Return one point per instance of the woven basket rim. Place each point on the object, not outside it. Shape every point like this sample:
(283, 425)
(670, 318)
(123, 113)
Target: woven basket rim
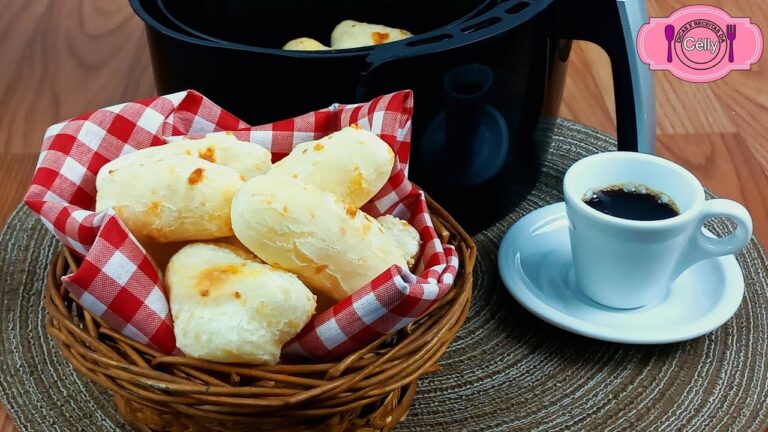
(211, 392)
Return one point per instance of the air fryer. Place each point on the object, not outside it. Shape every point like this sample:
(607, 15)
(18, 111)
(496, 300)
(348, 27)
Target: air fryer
(482, 73)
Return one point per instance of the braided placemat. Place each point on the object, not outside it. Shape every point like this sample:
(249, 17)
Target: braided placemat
(505, 371)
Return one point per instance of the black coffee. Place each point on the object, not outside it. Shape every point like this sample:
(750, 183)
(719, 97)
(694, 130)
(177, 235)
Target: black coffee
(635, 202)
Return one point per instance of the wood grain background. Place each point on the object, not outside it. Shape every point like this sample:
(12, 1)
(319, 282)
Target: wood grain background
(64, 58)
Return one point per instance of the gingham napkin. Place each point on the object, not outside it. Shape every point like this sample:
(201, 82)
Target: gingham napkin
(117, 280)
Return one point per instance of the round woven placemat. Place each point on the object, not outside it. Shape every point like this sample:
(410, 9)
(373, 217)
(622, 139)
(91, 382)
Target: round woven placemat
(505, 371)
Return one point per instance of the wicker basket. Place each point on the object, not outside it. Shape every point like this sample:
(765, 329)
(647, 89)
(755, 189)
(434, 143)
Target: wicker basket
(369, 390)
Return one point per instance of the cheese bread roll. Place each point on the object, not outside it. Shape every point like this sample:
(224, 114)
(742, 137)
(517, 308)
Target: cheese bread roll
(334, 248)
(248, 159)
(405, 235)
(305, 44)
(353, 34)
(228, 307)
(173, 199)
(352, 163)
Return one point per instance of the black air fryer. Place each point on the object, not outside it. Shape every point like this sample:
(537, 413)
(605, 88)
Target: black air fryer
(482, 72)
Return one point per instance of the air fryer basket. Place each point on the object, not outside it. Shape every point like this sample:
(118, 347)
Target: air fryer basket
(270, 24)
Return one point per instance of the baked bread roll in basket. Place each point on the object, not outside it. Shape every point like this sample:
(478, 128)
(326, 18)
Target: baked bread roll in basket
(307, 295)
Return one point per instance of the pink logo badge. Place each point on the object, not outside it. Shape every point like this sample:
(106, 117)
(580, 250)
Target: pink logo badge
(700, 43)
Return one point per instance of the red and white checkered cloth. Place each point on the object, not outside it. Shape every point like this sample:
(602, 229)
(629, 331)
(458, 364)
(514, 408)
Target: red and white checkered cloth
(117, 280)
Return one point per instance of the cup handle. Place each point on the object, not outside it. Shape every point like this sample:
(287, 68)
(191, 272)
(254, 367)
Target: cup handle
(702, 246)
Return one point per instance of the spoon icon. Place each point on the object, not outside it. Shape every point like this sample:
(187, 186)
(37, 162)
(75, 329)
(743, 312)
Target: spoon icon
(669, 33)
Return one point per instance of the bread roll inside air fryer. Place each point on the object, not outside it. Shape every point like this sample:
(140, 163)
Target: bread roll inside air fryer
(354, 34)
(305, 44)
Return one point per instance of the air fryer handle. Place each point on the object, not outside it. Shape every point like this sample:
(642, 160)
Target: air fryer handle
(632, 80)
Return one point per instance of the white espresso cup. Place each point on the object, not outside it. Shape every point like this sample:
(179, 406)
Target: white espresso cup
(623, 263)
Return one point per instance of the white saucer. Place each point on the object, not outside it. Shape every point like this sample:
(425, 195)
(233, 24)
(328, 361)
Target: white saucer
(536, 266)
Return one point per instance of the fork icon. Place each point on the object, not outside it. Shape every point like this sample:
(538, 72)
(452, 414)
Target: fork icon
(730, 32)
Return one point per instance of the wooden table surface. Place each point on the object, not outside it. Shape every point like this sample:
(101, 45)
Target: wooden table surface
(64, 58)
